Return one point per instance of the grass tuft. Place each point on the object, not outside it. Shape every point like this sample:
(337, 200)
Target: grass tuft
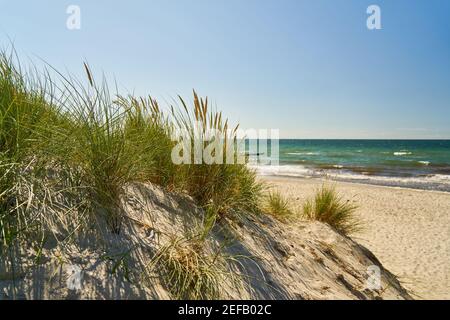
(219, 187)
(277, 206)
(188, 271)
(328, 207)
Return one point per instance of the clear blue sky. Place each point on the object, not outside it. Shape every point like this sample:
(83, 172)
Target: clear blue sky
(310, 68)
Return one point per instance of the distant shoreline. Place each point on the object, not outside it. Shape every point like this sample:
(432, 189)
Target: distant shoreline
(415, 164)
(444, 189)
(288, 178)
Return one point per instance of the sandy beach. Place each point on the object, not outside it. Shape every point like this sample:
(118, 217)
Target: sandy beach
(408, 230)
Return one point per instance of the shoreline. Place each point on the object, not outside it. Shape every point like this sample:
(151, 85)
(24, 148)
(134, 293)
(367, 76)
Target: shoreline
(407, 229)
(349, 181)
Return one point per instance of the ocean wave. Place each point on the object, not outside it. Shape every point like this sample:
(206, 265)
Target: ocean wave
(426, 163)
(303, 153)
(301, 171)
(436, 179)
(402, 153)
(439, 178)
(283, 170)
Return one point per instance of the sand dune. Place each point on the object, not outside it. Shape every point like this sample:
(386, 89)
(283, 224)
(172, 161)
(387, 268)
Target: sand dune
(408, 230)
(299, 260)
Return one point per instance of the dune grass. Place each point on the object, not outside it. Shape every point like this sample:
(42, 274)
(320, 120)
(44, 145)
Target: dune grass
(112, 140)
(222, 188)
(25, 119)
(190, 272)
(68, 148)
(328, 207)
(277, 205)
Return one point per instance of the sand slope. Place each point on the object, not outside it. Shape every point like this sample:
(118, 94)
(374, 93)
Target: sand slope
(408, 230)
(299, 260)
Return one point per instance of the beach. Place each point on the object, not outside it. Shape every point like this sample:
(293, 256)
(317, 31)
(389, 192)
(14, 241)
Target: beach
(407, 229)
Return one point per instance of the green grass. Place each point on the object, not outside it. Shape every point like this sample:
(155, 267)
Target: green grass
(328, 207)
(222, 188)
(277, 206)
(68, 148)
(26, 119)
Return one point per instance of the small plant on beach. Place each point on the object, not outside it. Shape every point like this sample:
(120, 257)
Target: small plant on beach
(328, 207)
(277, 206)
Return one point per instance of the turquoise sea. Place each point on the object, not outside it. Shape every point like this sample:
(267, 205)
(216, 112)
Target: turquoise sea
(423, 164)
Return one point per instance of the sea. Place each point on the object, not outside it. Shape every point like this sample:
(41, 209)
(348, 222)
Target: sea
(418, 164)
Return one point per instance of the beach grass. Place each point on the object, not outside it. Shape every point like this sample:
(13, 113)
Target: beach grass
(277, 205)
(329, 207)
(221, 187)
(189, 271)
(112, 140)
(68, 148)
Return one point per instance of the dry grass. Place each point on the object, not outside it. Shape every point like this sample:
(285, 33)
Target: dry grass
(189, 272)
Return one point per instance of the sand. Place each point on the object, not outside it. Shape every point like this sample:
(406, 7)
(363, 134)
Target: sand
(276, 260)
(408, 230)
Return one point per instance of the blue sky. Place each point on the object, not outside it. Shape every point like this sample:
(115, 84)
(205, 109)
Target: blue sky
(309, 68)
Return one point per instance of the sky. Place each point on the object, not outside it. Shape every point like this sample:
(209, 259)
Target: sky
(311, 69)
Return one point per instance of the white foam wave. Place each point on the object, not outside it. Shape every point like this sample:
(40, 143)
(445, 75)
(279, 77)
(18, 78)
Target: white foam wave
(283, 170)
(402, 153)
(426, 163)
(303, 153)
(301, 171)
(442, 178)
(436, 178)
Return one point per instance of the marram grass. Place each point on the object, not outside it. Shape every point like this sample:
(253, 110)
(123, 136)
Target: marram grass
(278, 206)
(328, 207)
(189, 272)
(68, 148)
